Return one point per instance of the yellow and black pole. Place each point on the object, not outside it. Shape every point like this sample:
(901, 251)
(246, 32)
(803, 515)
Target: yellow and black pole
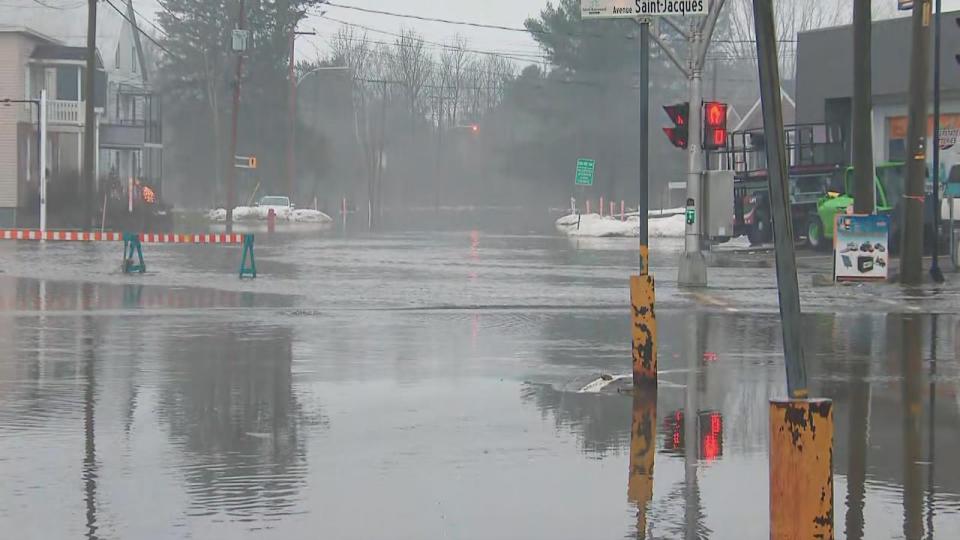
(642, 286)
(801, 428)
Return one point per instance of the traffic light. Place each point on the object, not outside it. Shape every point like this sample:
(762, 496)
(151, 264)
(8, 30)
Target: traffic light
(680, 115)
(714, 125)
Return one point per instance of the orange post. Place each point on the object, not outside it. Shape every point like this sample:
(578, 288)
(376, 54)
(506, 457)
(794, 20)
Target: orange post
(801, 469)
(644, 325)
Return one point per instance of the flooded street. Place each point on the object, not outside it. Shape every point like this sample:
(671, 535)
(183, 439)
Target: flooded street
(426, 385)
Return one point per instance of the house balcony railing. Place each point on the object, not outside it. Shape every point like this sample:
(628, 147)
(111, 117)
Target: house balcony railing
(66, 112)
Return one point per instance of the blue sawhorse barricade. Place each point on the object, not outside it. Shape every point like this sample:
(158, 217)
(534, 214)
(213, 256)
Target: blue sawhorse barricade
(133, 244)
(133, 249)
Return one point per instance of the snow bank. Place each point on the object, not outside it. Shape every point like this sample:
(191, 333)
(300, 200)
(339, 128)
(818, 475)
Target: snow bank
(594, 226)
(254, 213)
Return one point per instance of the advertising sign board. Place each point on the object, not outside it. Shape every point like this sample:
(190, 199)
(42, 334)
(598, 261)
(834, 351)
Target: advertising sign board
(861, 248)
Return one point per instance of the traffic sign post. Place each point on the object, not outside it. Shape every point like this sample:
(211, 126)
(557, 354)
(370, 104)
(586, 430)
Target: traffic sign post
(586, 169)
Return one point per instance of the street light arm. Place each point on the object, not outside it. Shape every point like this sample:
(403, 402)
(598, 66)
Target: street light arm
(676, 27)
(709, 24)
(318, 69)
(670, 54)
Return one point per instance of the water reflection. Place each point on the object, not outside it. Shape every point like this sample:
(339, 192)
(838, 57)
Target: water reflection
(911, 366)
(229, 404)
(858, 358)
(643, 445)
(29, 295)
(712, 411)
(90, 340)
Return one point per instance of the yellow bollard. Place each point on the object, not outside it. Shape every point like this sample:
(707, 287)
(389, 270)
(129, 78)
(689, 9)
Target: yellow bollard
(643, 448)
(801, 469)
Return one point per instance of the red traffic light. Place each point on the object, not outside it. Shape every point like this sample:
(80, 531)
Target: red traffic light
(714, 125)
(680, 116)
(475, 128)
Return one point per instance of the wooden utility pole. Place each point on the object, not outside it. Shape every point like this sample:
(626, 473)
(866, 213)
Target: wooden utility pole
(911, 216)
(231, 163)
(864, 188)
(90, 116)
(292, 116)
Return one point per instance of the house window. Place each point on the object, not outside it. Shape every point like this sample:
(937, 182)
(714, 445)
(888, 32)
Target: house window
(116, 59)
(133, 61)
(67, 83)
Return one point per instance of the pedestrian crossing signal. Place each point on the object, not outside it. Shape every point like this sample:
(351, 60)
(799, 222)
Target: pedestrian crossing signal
(714, 125)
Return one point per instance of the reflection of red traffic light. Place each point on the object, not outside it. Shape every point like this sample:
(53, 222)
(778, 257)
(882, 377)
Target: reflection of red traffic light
(673, 428)
(711, 435)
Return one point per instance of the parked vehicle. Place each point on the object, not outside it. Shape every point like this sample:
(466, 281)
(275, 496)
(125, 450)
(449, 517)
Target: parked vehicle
(276, 203)
(890, 186)
(816, 157)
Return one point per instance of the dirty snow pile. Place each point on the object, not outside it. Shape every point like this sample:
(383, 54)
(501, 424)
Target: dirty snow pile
(595, 226)
(254, 213)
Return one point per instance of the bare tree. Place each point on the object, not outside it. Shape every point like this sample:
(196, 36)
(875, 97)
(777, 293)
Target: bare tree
(412, 67)
(455, 62)
(738, 40)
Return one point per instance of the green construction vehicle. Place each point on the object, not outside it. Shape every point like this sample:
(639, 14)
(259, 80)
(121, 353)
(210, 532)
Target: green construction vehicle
(890, 183)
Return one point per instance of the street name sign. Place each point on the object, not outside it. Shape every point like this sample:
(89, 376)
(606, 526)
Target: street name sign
(585, 172)
(616, 9)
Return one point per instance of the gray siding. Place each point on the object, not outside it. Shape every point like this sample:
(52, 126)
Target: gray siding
(825, 60)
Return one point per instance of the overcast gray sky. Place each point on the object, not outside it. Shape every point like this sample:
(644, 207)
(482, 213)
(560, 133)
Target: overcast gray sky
(69, 22)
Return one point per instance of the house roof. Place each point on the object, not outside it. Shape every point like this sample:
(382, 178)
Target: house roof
(63, 52)
(24, 30)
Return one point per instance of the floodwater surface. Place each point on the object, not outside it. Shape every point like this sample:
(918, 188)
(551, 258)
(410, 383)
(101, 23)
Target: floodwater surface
(427, 386)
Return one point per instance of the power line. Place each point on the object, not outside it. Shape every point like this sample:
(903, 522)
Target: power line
(149, 21)
(430, 19)
(521, 57)
(137, 27)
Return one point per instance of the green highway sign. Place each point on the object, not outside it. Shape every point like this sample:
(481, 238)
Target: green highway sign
(585, 170)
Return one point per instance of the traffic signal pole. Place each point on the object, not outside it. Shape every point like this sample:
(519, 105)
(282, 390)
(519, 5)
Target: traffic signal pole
(693, 265)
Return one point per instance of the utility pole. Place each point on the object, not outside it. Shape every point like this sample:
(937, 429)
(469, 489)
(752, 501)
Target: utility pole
(911, 245)
(779, 181)
(801, 463)
(864, 187)
(231, 164)
(935, 273)
(90, 117)
(292, 114)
